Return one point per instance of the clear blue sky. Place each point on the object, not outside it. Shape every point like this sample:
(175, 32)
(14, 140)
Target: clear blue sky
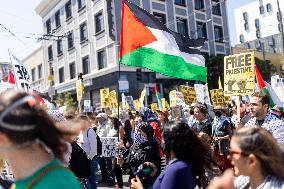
(19, 17)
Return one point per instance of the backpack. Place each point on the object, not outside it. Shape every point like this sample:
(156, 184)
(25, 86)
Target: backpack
(99, 143)
(79, 163)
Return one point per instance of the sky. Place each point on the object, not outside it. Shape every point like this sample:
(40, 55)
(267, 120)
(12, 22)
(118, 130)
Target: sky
(19, 17)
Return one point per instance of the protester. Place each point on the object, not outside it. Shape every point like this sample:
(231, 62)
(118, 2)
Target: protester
(87, 140)
(144, 149)
(261, 117)
(202, 124)
(163, 117)
(278, 112)
(222, 130)
(187, 160)
(257, 160)
(31, 144)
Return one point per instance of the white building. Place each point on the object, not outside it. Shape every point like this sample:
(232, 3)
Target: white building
(257, 24)
(34, 63)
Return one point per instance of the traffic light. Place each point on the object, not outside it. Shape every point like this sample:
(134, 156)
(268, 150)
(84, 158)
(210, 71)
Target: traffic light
(139, 74)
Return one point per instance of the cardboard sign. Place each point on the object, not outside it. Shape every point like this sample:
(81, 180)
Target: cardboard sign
(176, 112)
(165, 104)
(109, 148)
(112, 100)
(104, 93)
(176, 98)
(239, 74)
(22, 77)
(217, 97)
(188, 93)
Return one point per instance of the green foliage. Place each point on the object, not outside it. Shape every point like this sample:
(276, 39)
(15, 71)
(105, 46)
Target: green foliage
(65, 99)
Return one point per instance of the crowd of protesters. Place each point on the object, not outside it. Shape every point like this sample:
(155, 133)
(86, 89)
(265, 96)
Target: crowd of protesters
(61, 148)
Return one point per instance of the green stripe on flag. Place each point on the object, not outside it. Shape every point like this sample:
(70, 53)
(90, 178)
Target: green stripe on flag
(165, 64)
(271, 102)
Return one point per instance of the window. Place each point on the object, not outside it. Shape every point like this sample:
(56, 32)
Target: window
(245, 15)
(256, 23)
(268, 7)
(216, 7)
(261, 9)
(242, 38)
(161, 17)
(61, 75)
(83, 32)
(33, 74)
(70, 40)
(201, 30)
(182, 26)
(59, 47)
(258, 45)
(81, 4)
(199, 4)
(39, 69)
(257, 33)
(48, 26)
(99, 22)
(218, 33)
(86, 65)
(247, 46)
(180, 2)
(50, 53)
(246, 25)
(271, 41)
(102, 63)
(68, 10)
(57, 19)
(72, 70)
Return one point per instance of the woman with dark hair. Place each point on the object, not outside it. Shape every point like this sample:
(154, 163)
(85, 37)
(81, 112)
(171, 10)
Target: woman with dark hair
(187, 158)
(31, 144)
(144, 149)
(256, 156)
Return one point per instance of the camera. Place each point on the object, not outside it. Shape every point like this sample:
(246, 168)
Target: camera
(144, 173)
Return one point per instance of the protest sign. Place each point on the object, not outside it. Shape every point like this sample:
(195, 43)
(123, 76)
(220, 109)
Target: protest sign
(165, 104)
(104, 93)
(176, 112)
(112, 100)
(142, 97)
(188, 93)
(87, 106)
(277, 84)
(154, 107)
(109, 148)
(79, 89)
(239, 74)
(200, 93)
(136, 104)
(176, 98)
(217, 97)
(129, 101)
(22, 77)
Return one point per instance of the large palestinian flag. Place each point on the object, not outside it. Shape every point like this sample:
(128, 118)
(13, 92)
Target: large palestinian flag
(146, 42)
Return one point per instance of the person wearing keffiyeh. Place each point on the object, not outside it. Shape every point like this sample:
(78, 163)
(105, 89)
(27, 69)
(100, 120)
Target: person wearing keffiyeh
(144, 149)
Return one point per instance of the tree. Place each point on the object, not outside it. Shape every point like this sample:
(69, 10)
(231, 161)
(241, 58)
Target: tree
(65, 99)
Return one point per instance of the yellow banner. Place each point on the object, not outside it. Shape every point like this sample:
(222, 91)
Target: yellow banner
(112, 100)
(136, 104)
(165, 104)
(239, 74)
(188, 94)
(154, 106)
(217, 97)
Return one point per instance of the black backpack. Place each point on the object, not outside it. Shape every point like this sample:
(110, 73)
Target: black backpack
(79, 163)
(99, 143)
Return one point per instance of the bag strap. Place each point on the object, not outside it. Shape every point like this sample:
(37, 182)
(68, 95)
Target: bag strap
(43, 173)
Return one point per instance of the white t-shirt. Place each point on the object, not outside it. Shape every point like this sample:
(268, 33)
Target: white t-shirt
(87, 140)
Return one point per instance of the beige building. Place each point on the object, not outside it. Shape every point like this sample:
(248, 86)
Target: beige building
(34, 64)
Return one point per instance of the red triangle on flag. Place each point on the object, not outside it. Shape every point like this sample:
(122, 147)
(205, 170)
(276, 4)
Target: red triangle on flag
(134, 34)
(259, 79)
(11, 78)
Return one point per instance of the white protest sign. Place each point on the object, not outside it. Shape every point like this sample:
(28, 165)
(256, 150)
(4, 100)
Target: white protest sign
(109, 148)
(206, 92)
(87, 106)
(22, 77)
(129, 100)
(199, 90)
(277, 84)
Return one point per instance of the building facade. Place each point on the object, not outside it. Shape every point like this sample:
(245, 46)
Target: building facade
(82, 36)
(258, 26)
(35, 66)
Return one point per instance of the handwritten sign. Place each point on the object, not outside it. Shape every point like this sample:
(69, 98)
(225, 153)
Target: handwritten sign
(23, 79)
(239, 74)
(109, 148)
(188, 93)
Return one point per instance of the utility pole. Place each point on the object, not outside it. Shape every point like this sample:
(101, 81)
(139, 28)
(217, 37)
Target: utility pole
(282, 36)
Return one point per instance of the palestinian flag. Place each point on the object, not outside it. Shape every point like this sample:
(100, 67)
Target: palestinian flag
(266, 88)
(159, 99)
(146, 42)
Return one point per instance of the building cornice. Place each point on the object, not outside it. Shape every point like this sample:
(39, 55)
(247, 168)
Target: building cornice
(45, 6)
